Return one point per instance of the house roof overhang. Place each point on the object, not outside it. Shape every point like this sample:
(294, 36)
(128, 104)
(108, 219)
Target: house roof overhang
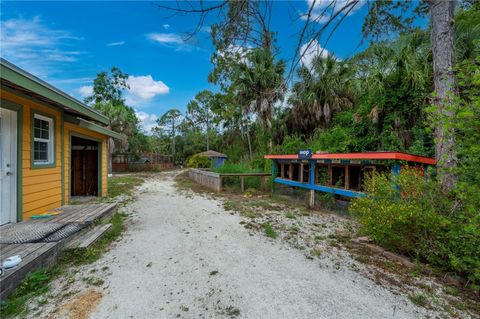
(15, 78)
(94, 127)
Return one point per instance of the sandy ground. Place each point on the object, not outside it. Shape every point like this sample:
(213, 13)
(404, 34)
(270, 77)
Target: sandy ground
(184, 256)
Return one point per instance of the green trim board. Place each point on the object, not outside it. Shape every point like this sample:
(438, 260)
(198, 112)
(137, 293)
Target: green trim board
(94, 127)
(62, 136)
(99, 162)
(34, 165)
(20, 77)
(102, 130)
(19, 109)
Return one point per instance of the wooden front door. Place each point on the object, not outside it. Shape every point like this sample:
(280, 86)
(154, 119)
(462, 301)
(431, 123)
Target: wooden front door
(84, 172)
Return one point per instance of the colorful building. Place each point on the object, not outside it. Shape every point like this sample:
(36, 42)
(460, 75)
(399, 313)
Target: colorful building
(52, 146)
(217, 158)
(338, 173)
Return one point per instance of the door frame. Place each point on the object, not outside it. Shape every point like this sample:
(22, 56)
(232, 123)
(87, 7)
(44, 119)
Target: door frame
(99, 163)
(12, 106)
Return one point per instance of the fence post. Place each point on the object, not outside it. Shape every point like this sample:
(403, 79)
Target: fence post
(242, 186)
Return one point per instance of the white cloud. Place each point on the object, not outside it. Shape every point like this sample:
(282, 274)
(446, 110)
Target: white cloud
(174, 40)
(166, 26)
(85, 91)
(115, 44)
(143, 88)
(165, 38)
(308, 53)
(25, 42)
(147, 121)
(237, 51)
(323, 10)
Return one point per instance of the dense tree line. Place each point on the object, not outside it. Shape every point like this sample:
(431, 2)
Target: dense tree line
(405, 92)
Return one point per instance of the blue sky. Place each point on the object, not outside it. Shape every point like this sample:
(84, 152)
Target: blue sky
(68, 43)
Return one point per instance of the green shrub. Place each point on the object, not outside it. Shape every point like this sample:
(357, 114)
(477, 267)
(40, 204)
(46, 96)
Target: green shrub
(250, 182)
(197, 161)
(409, 215)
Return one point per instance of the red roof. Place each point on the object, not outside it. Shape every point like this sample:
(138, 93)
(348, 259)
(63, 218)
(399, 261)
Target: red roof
(364, 156)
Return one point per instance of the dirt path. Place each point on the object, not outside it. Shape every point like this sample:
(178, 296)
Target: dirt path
(184, 256)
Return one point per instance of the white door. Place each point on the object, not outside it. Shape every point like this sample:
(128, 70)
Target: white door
(8, 166)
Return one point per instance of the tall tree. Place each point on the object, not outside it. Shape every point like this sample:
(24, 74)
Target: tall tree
(169, 121)
(259, 85)
(200, 112)
(107, 97)
(322, 89)
(441, 13)
(108, 87)
(386, 16)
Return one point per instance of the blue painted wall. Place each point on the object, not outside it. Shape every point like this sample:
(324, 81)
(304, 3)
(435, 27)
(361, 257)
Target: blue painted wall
(218, 161)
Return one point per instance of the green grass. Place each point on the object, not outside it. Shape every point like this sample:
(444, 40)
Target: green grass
(93, 253)
(290, 215)
(420, 300)
(269, 231)
(35, 284)
(123, 185)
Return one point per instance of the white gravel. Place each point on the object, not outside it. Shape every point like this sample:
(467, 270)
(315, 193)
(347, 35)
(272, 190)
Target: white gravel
(184, 256)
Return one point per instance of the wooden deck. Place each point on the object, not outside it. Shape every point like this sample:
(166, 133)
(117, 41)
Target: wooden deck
(43, 254)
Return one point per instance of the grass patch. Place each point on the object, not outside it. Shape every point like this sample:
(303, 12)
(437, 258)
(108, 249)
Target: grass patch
(290, 215)
(232, 311)
(123, 185)
(269, 231)
(93, 253)
(420, 300)
(35, 284)
(95, 281)
(248, 213)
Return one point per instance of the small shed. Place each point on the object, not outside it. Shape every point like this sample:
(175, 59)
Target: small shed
(217, 158)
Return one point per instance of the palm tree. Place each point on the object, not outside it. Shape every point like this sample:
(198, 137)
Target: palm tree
(320, 92)
(394, 80)
(259, 84)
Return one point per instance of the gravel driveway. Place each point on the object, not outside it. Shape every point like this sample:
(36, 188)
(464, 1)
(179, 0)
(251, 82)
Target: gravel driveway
(184, 256)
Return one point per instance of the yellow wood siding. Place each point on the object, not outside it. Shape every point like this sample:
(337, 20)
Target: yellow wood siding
(42, 187)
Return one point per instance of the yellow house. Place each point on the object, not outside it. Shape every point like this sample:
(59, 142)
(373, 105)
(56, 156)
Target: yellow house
(52, 146)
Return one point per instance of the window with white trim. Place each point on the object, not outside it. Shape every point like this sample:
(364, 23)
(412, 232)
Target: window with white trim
(42, 140)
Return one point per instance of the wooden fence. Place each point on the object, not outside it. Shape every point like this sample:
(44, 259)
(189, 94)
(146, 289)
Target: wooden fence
(121, 162)
(208, 179)
(139, 167)
(214, 180)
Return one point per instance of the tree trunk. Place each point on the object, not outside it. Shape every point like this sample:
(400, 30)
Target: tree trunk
(442, 36)
(173, 142)
(208, 130)
(249, 143)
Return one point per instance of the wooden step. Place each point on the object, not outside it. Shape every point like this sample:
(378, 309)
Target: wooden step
(89, 237)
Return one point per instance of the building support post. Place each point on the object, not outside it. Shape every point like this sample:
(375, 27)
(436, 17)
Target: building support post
(311, 182)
